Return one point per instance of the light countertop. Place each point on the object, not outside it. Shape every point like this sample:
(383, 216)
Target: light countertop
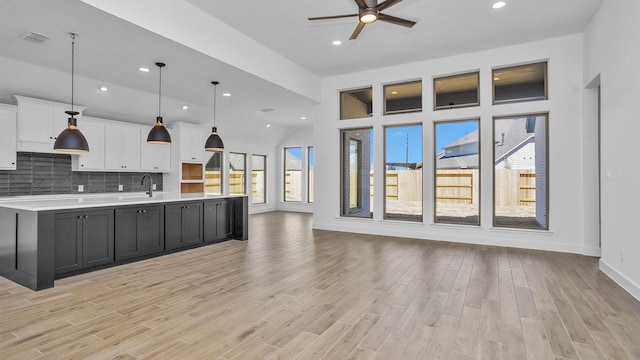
(79, 201)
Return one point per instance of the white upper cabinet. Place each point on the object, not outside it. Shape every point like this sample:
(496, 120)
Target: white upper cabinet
(7, 137)
(40, 122)
(192, 139)
(122, 148)
(154, 157)
(93, 130)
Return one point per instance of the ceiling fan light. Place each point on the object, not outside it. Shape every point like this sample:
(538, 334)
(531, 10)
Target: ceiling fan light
(368, 15)
(214, 142)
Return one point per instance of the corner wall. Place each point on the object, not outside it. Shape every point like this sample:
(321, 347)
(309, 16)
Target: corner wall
(612, 57)
(566, 187)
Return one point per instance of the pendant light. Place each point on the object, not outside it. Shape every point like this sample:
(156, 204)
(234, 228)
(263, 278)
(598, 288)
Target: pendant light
(214, 142)
(71, 139)
(159, 133)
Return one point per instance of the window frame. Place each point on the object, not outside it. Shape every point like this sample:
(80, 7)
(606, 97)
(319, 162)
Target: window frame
(310, 179)
(397, 112)
(284, 174)
(445, 77)
(340, 102)
(264, 183)
(341, 211)
(493, 151)
(519, 100)
(384, 182)
(435, 170)
(244, 170)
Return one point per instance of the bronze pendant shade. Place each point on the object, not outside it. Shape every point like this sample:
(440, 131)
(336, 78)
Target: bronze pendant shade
(214, 142)
(159, 134)
(71, 139)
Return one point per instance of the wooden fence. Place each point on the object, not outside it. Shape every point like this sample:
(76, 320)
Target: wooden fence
(462, 186)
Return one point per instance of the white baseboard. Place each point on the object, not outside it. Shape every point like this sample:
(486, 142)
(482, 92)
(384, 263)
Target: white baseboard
(620, 279)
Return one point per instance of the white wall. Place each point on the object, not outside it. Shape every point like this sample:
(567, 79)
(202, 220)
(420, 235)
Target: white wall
(612, 53)
(566, 221)
(300, 137)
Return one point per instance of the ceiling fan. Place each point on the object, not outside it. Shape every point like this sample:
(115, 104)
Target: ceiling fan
(370, 11)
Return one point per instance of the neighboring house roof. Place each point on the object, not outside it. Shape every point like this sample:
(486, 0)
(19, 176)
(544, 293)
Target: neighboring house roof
(515, 136)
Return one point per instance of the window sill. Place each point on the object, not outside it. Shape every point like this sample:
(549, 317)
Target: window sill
(522, 230)
(457, 226)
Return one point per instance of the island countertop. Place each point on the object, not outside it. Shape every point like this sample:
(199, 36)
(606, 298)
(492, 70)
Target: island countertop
(78, 201)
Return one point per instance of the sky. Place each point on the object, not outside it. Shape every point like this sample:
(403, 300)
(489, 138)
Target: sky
(396, 137)
(446, 133)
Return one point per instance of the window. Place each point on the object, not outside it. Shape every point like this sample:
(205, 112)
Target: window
(520, 83)
(293, 174)
(403, 173)
(520, 172)
(357, 172)
(237, 173)
(403, 98)
(213, 174)
(456, 91)
(457, 177)
(355, 104)
(258, 179)
(310, 162)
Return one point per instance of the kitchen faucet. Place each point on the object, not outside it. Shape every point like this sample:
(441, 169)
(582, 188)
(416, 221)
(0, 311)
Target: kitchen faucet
(150, 191)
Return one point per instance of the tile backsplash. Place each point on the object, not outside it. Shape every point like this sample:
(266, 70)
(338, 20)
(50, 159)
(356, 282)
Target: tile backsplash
(45, 174)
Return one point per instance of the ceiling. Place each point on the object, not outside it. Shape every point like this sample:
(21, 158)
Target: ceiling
(109, 51)
(444, 27)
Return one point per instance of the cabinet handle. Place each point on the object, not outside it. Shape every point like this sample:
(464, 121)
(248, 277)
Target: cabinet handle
(144, 211)
(79, 216)
(86, 216)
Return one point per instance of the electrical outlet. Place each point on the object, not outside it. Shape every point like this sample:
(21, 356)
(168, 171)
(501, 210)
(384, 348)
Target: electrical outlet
(120, 187)
(621, 254)
(154, 186)
(80, 188)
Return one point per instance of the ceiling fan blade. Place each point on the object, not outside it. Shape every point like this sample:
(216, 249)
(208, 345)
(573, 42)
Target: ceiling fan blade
(396, 21)
(356, 32)
(332, 17)
(387, 4)
(361, 4)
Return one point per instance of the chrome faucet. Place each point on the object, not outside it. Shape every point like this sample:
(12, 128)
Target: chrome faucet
(150, 191)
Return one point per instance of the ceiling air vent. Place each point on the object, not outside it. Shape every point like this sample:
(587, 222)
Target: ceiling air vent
(267, 110)
(35, 37)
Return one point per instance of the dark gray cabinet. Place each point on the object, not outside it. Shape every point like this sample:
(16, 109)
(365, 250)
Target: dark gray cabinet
(218, 220)
(83, 240)
(139, 231)
(183, 225)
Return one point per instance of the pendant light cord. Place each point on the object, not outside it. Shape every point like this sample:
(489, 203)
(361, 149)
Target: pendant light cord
(73, 55)
(215, 93)
(160, 93)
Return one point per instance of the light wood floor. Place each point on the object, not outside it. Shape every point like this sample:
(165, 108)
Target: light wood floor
(294, 293)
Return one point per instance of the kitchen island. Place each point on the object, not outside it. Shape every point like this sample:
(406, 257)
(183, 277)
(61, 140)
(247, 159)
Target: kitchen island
(47, 237)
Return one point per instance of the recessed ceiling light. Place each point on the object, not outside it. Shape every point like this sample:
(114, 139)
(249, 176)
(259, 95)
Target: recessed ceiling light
(394, 92)
(303, 118)
(185, 107)
(337, 42)
(498, 5)
(143, 69)
(103, 88)
(226, 94)
(496, 78)
(268, 125)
